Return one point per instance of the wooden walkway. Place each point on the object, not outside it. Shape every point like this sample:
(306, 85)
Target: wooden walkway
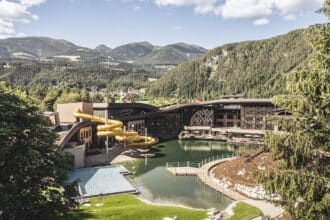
(183, 171)
(203, 174)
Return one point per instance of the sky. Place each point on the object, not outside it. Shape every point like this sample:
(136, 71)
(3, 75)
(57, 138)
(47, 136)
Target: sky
(208, 23)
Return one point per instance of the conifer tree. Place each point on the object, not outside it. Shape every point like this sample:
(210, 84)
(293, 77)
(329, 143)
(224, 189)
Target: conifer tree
(302, 146)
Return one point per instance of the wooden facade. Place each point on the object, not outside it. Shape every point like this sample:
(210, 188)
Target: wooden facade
(167, 123)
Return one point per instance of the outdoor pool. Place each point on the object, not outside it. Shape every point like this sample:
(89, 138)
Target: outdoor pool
(97, 181)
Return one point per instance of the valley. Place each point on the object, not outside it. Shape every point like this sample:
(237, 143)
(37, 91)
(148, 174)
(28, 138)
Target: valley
(251, 68)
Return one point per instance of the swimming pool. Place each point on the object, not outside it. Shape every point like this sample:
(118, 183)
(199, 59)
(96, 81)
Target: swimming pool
(97, 181)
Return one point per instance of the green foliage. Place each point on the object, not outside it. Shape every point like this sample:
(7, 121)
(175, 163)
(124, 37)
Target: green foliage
(73, 95)
(32, 168)
(50, 98)
(302, 148)
(129, 207)
(256, 68)
(243, 211)
(162, 102)
(39, 77)
(97, 98)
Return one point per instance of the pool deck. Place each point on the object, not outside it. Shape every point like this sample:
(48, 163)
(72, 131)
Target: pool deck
(203, 174)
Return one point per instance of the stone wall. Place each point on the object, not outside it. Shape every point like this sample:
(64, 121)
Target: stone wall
(78, 153)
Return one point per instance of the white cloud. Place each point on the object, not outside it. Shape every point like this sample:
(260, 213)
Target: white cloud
(260, 21)
(245, 8)
(12, 12)
(287, 6)
(6, 27)
(200, 6)
(258, 10)
(30, 3)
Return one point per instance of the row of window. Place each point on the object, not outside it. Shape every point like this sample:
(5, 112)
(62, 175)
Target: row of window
(85, 134)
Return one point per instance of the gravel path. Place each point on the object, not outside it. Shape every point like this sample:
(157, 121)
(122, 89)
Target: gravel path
(269, 209)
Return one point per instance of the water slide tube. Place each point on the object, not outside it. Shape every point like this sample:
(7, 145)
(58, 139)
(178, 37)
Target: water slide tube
(114, 128)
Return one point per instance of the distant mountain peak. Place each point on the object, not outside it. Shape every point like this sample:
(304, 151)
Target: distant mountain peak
(102, 46)
(142, 52)
(41, 47)
(172, 54)
(132, 51)
(104, 50)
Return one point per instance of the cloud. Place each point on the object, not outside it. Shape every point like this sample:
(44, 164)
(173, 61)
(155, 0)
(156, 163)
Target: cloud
(257, 10)
(200, 6)
(260, 21)
(30, 3)
(12, 12)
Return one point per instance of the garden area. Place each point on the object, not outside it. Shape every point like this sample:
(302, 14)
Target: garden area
(130, 207)
(127, 207)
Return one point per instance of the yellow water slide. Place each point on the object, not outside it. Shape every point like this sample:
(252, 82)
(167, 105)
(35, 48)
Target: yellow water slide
(114, 128)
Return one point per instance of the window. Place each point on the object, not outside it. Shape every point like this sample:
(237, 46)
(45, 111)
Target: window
(230, 116)
(230, 124)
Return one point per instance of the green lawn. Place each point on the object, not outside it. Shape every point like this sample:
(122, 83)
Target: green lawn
(243, 211)
(129, 207)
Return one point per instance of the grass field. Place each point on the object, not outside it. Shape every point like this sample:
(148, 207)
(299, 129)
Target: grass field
(243, 211)
(127, 207)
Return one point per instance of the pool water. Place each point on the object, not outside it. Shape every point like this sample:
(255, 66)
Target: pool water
(158, 185)
(96, 181)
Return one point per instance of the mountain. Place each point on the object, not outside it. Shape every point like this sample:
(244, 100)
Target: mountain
(132, 51)
(138, 53)
(33, 47)
(253, 68)
(172, 54)
(81, 54)
(104, 50)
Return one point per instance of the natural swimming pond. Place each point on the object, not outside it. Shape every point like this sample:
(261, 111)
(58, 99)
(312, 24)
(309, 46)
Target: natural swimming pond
(158, 185)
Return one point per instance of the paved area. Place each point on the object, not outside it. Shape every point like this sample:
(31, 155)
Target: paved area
(103, 158)
(266, 207)
(203, 173)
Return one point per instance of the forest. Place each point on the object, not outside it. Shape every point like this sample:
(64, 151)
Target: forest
(251, 68)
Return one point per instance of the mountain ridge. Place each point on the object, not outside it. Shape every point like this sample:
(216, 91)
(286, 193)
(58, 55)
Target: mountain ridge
(256, 68)
(44, 47)
(41, 47)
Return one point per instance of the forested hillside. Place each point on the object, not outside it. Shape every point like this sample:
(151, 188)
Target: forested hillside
(87, 75)
(253, 68)
(132, 51)
(34, 47)
(172, 54)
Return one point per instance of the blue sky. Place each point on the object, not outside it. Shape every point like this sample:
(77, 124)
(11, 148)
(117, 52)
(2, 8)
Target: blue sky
(208, 23)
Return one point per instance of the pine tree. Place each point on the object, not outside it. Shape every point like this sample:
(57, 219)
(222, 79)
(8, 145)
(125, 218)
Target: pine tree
(302, 146)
